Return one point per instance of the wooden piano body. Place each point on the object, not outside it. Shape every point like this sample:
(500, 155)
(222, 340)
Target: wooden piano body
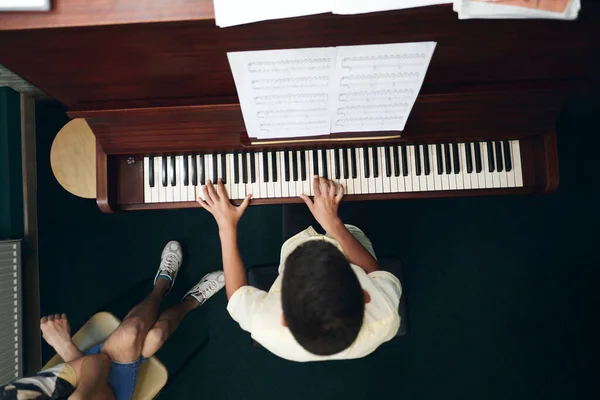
(151, 89)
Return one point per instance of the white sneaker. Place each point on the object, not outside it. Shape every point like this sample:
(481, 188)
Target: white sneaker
(209, 285)
(170, 262)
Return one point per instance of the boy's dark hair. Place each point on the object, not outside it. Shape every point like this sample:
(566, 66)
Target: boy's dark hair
(322, 300)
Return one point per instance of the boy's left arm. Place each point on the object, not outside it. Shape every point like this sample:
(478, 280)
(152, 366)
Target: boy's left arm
(227, 217)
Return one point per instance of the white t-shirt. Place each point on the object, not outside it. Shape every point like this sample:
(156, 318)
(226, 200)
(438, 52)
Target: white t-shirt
(259, 312)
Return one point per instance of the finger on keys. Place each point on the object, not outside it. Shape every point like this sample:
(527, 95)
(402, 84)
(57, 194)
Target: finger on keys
(323, 185)
(245, 204)
(340, 193)
(51, 317)
(44, 319)
(307, 200)
(332, 188)
(207, 197)
(212, 191)
(203, 203)
(221, 191)
(316, 184)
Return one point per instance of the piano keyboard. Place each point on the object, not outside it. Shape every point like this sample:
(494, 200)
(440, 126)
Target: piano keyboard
(360, 170)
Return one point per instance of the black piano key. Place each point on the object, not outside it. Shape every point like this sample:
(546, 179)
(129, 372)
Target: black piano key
(186, 172)
(324, 162)
(244, 167)
(447, 158)
(375, 162)
(295, 164)
(164, 171)
(439, 159)
(388, 161)
(194, 170)
(202, 170)
(336, 163)
(478, 162)
(274, 165)
(252, 167)
(507, 159)
(151, 171)
(353, 158)
(265, 166)
(469, 155)
(215, 170)
(315, 161)
(236, 168)
(490, 154)
(223, 168)
(287, 164)
(456, 158)
(499, 159)
(396, 161)
(404, 160)
(426, 163)
(303, 165)
(172, 174)
(417, 149)
(345, 163)
(366, 162)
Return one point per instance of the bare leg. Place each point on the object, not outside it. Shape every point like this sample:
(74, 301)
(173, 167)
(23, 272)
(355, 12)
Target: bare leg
(125, 343)
(165, 325)
(57, 333)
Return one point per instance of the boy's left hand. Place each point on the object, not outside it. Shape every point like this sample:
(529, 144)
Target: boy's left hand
(217, 203)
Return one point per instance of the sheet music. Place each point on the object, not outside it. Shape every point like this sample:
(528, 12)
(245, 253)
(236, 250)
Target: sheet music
(377, 85)
(237, 12)
(361, 6)
(285, 93)
(316, 91)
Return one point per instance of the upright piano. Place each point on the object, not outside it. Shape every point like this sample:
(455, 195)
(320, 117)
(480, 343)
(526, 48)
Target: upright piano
(161, 100)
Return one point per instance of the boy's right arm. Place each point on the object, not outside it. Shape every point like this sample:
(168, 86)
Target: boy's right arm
(324, 208)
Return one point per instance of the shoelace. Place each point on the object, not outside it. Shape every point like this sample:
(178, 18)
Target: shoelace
(206, 291)
(170, 263)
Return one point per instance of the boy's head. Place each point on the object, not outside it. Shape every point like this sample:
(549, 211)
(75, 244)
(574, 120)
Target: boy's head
(323, 302)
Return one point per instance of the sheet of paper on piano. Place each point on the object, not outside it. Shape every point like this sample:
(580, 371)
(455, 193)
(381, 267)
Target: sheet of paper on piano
(237, 12)
(377, 85)
(284, 93)
(363, 6)
(517, 9)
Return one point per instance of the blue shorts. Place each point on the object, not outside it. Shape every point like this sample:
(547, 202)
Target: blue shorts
(122, 376)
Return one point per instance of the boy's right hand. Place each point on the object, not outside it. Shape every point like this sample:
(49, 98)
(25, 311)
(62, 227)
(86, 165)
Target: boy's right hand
(218, 204)
(324, 206)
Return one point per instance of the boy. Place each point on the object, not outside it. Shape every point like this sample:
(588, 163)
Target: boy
(330, 301)
(109, 370)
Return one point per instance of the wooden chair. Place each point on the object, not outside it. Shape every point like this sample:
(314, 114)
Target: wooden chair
(153, 374)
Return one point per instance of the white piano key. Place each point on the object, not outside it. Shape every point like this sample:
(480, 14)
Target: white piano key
(422, 178)
(385, 180)
(190, 190)
(260, 176)
(234, 191)
(208, 167)
(162, 190)
(298, 166)
(410, 170)
(372, 179)
(229, 182)
(445, 176)
(285, 186)
(277, 186)
(393, 178)
(495, 174)
(154, 191)
(400, 180)
(256, 186)
(481, 182)
(489, 182)
(437, 178)
(307, 181)
(178, 180)
(473, 179)
(416, 187)
(510, 175)
(462, 148)
(147, 188)
(452, 175)
(503, 176)
(431, 177)
(249, 185)
(516, 161)
(364, 183)
(241, 186)
(459, 177)
(292, 166)
(271, 183)
(169, 189)
(342, 180)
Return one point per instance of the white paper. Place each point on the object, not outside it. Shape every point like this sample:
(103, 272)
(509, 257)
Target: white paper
(284, 93)
(237, 12)
(377, 85)
(467, 9)
(25, 5)
(366, 6)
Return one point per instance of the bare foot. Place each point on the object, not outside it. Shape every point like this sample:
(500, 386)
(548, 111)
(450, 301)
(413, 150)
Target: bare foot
(57, 333)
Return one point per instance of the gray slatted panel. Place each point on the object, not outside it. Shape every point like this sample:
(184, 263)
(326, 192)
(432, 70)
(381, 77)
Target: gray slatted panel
(11, 353)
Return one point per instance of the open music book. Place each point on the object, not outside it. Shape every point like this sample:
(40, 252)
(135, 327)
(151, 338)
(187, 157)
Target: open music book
(315, 91)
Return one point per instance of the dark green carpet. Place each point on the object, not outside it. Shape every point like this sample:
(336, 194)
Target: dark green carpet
(502, 291)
